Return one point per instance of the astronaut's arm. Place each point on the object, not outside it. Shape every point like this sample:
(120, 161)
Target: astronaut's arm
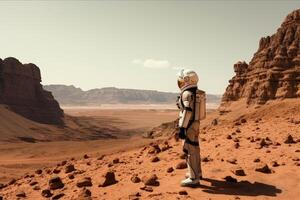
(187, 112)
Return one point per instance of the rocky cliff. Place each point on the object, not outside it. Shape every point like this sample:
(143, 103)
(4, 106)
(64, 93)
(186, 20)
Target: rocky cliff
(21, 90)
(274, 71)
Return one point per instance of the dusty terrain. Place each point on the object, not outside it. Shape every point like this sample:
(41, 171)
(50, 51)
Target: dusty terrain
(231, 143)
(26, 145)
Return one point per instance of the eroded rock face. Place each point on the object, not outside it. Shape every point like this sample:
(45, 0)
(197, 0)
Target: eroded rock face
(274, 71)
(21, 90)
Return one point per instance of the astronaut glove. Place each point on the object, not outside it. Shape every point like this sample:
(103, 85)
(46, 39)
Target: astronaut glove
(182, 133)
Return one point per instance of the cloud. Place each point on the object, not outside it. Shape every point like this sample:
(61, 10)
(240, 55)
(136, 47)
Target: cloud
(152, 63)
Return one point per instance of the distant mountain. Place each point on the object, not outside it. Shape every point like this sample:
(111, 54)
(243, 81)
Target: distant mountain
(73, 96)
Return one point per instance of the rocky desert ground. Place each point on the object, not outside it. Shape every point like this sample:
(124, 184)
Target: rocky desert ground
(250, 145)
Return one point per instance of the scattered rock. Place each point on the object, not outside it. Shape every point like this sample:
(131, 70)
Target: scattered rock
(2, 186)
(214, 122)
(85, 194)
(69, 168)
(232, 161)
(147, 188)
(55, 183)
(289, 140)
(182, 192)
(134, 196)
(275, 164)
(150, 180)
(135, 179)
(170, 169)
(108, 179)
(155, 159)
(239, 172)
(71, 176)
(12, 181)
(264, 169)
(46, 193)
(230, 179)
(181, 165)
(84, 182)
(58, 196)
(36, 187)
(38, 171)
(20, 193)
(56, 171)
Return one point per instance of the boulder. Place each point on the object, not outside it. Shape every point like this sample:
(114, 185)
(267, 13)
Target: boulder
(55, 183)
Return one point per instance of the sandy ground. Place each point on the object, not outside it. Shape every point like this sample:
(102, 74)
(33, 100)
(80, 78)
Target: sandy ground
(19, 157)
(256, 133)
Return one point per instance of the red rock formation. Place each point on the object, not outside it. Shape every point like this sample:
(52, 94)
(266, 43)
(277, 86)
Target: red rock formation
(21, 90)
(274, 71)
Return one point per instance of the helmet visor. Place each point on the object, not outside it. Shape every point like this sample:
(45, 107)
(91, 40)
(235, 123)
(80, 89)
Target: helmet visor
(180, 83)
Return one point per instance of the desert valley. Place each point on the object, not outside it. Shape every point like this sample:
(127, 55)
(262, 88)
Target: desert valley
(58, 143)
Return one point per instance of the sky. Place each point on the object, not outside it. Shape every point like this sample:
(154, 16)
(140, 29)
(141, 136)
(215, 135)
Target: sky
(137, 44)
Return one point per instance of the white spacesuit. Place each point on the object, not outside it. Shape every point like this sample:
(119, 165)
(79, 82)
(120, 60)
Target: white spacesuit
(191, 103)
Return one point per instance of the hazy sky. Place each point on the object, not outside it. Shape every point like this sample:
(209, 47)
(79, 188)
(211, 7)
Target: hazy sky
(137, 44)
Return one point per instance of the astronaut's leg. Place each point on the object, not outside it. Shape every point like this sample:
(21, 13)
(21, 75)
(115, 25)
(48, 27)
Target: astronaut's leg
(192, 150)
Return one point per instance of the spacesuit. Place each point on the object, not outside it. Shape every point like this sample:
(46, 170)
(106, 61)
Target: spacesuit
(191, 103)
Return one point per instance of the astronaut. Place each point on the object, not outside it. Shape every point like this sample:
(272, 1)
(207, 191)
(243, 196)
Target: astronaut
(191, 103)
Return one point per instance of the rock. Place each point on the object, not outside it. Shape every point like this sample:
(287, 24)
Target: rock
(206, 159)
(239, 172)
(230, 179)
(272, 72)
(12, 181)
(63, 163)
(86, 156)
(150, 180)
(147, 188)
(46, 193)
(229, 137)
(20, 193)
(85, 194)
(214, 122)
(264, 169)
(289, 140)
(84, 182)
(134, 196)
(182, 192)
(2, 186)
(101, 157)
(55, 183)
(181, 165)
(32, 183)
(36, 187)
(71, 176)
(256, 160)
(69, 168)
(243, 120)
(237, 145)
(154, 149)
(116, 161)
(38, 171)
(170, 169)
(135, 179)
(58, 196)
(165, 147)
(232, 161)
(56, 171)
(155, 159)
(275, 164)
(24, 94)
(108, 179)
(236, 140)
(1, 198)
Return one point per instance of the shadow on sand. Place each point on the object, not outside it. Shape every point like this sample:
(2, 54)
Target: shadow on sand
(242, 188)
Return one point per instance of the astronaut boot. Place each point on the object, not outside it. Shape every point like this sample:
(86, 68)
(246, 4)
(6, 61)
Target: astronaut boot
(189, 182)
(187, 175)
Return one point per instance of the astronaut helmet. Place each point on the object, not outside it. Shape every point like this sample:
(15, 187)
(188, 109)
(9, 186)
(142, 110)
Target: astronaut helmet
(187, 79)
